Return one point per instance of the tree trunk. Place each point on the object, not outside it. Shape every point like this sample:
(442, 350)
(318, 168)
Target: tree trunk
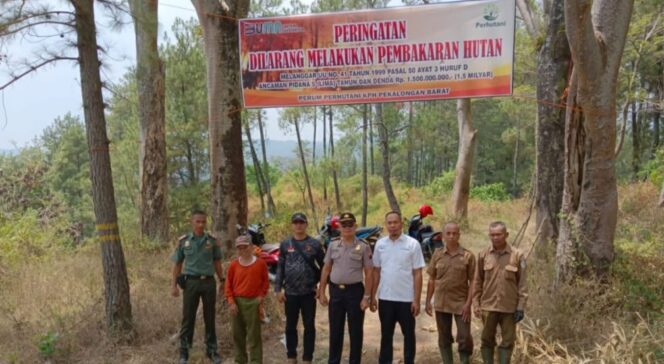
(655, 131)
(530, 19)
(193, 177)
(334, 164)
(553, 63)
(371, 143)
(116, 284)
(365, 193)
(636, 145)
(151, 95)
(325, 156)
(596, 32)
(464, 166)
(304, 169)
(271, 209)
(313, 151)
(385, 151)
(260, 181)
(409, 145)
(515, 161)
(228, 185)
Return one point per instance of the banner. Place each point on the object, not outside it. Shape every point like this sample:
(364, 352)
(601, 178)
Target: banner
(442, 51)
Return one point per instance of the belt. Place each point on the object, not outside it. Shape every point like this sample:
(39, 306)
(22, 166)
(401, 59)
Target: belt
(189, 276)
(344, 286)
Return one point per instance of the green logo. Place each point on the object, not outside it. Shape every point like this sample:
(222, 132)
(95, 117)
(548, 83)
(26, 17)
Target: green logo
(491, 12)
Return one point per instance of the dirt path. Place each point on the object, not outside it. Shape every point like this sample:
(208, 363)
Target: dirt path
(275, 351)
(426, 335)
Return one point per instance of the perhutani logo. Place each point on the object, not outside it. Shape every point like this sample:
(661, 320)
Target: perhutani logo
(270, 27)
(491, 13)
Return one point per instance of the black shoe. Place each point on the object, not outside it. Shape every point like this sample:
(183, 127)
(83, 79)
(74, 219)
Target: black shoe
(214, 356)
(184, 356)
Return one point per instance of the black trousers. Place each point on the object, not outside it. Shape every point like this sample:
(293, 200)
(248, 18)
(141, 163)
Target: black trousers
(296, 305)
(345, 303)
(391, 312)
(196, 291)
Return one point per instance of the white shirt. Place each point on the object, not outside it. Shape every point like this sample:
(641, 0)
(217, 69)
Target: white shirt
(397, 259)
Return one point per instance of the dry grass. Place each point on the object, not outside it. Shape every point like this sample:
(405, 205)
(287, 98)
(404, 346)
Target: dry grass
(65, 296)
(621, 322)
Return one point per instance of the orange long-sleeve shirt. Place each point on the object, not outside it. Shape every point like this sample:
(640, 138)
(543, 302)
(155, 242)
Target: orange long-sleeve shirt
(250, 281)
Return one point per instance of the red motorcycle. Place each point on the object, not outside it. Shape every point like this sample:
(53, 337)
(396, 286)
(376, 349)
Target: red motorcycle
(429, 239)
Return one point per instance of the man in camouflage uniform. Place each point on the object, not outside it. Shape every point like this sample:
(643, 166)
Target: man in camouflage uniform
(200, 254)
(499, 293)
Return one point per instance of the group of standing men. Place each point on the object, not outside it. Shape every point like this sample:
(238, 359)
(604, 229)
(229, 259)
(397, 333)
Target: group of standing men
(387, 280)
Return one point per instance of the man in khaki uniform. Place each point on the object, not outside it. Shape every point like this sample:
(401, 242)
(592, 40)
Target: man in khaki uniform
(499, 293)
(451, 272)
(347, 262)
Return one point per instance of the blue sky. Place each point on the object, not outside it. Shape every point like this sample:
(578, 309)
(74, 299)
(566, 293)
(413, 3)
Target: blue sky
(31, 104)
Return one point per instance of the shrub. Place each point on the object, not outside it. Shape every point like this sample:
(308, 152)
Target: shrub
(46, 344)
(491, 192)
(654, 169)
(441, 184)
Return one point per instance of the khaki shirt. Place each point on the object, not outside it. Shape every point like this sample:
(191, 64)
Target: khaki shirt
(500, 280)
(348, 261)
(453, 274)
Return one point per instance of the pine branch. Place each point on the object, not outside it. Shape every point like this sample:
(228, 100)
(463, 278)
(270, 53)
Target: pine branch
(35, 67)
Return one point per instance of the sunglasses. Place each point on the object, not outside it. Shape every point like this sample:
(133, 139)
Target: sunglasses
(347, 224)
(241, 247)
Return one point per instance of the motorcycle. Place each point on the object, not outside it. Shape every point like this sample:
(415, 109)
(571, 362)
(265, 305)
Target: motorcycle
(267, 251)
(330, 230)
(429, 239)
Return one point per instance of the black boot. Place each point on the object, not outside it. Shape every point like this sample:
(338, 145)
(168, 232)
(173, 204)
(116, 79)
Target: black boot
(214, 356)
(446, 354)
(184, 356)
(504, 355)
(487, 355)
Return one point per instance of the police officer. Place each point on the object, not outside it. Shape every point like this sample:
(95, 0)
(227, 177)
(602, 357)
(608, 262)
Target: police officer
(451, 273)
(346, 259)
(499, 293)
(200, 254)
(298, 272)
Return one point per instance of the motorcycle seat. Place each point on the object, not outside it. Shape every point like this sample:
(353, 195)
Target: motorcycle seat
(269, 247)
(368, 231)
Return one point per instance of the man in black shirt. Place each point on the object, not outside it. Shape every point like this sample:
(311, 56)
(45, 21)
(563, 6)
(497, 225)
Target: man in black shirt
(298, 274)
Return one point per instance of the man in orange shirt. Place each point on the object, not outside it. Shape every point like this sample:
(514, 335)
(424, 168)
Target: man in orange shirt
(246, 286)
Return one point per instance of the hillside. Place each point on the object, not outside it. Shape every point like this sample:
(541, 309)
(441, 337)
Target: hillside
(52, 302)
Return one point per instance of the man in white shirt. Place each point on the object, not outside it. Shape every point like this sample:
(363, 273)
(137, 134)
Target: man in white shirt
(398, 264)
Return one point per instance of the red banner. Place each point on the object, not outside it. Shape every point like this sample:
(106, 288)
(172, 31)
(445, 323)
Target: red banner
(442, 51)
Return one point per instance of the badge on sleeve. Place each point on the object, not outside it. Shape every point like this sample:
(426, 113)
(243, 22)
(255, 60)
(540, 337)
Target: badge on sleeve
(187, 244)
